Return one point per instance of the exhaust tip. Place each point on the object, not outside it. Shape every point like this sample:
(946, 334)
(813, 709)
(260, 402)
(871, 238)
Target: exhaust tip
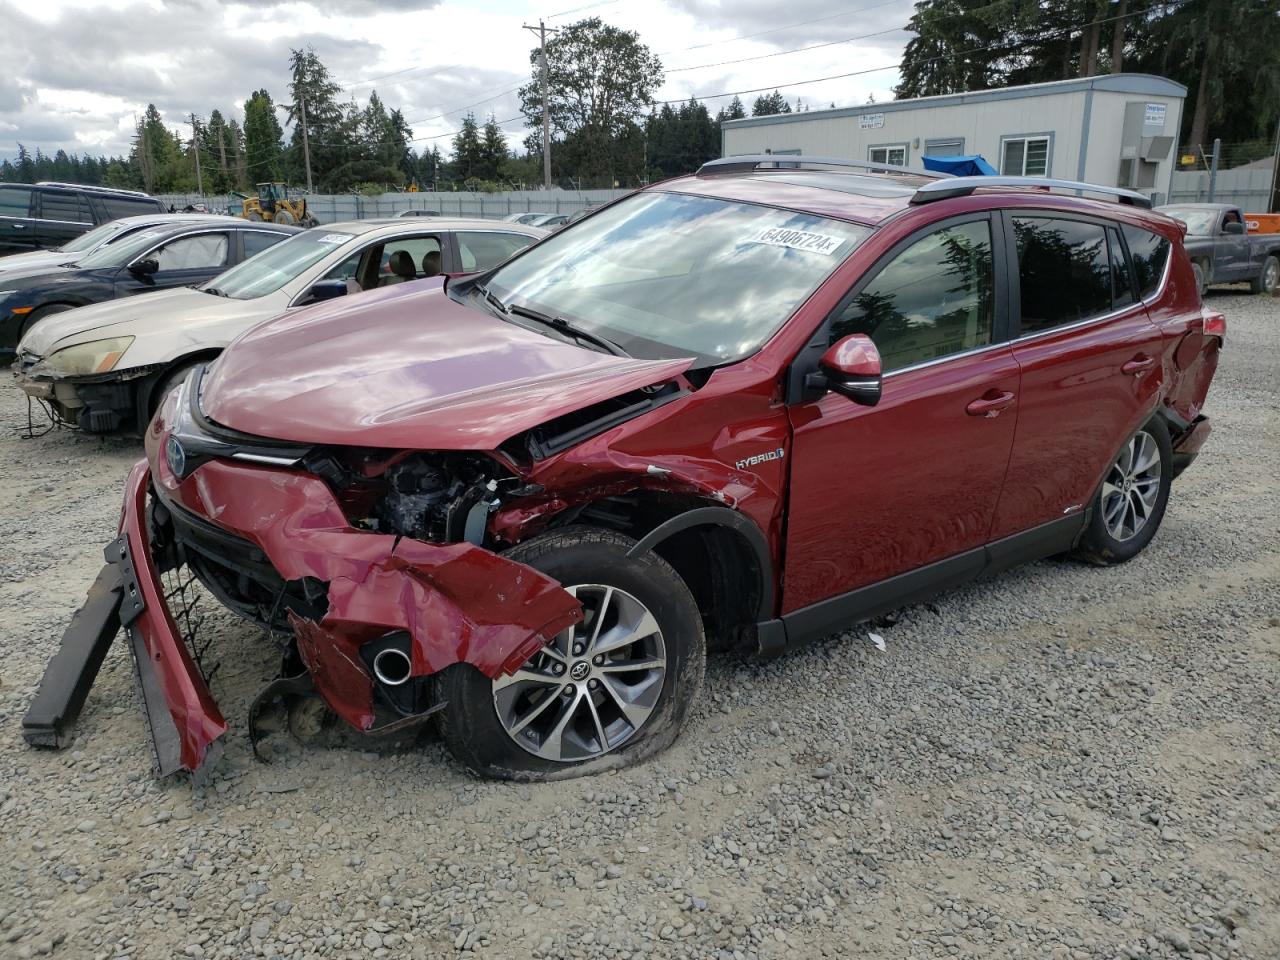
(391, 667)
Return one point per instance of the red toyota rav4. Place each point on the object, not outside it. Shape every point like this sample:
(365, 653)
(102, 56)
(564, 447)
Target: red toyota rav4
(750, 406)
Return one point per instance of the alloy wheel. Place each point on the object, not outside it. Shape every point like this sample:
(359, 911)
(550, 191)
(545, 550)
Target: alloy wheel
(593, 686)
(1271, 276)
(1132, 486)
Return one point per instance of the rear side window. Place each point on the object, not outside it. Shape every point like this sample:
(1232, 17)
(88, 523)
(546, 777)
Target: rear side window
(118, 207)
(1149, 252)
(255, 241)
(1064, 269)
(932, 300)
(15, 202)
(480, 251)
(65, 205)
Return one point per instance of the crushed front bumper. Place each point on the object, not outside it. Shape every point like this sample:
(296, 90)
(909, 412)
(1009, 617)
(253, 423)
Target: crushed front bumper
(103, 404)
(455, 602)
(185, 722)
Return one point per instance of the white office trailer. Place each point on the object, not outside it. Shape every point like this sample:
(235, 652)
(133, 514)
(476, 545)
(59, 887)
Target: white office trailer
(1118, 130)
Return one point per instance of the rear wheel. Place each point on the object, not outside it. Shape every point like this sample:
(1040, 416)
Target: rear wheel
(1269, 278)
(1131, 501)
(606, 693)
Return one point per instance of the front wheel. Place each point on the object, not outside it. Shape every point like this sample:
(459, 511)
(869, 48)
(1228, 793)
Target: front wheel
(1130, 504)
(606, 693)
(1269, 278)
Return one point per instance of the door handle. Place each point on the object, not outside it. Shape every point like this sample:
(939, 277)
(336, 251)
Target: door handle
(1138, 365)
(19, 226)
(990, 404)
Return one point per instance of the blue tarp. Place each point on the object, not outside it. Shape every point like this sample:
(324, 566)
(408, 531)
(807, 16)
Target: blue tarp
(972, 166)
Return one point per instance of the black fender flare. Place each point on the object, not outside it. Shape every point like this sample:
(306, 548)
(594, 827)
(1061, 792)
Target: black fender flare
(721, 517)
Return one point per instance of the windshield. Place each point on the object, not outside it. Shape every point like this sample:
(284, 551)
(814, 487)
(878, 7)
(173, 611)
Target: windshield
(1199, 222)
(123, 251)
(94, 238)
(274, 267)
(667, 275)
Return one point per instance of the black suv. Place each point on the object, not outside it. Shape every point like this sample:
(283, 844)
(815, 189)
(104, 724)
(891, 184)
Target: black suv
(42, 215)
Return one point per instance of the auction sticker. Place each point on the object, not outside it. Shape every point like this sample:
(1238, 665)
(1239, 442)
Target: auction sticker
(822, 243)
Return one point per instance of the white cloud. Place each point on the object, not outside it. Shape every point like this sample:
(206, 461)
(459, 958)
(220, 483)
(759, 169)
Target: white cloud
(79, 70)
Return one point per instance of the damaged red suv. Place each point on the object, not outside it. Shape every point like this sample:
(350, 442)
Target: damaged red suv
(747, 407)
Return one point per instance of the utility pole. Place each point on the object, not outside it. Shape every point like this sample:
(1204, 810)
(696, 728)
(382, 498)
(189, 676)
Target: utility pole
(1213, 167)
(306, 144)
(541, 31)
(195, 148)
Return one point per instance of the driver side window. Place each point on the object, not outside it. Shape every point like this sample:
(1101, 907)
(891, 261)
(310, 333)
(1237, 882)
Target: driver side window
(934, 299)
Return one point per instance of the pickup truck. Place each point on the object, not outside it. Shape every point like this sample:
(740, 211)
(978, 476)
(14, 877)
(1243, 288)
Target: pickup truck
(1221, 249)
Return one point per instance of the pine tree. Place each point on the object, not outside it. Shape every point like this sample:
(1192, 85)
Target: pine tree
(262, 137)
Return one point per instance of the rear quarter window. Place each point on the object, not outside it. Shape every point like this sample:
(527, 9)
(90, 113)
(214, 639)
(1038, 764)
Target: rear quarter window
(1149, 252)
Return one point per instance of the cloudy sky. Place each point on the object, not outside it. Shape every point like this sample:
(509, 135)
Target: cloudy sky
(76, 71)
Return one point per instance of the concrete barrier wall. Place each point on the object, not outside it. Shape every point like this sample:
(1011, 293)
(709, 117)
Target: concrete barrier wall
(332, 208)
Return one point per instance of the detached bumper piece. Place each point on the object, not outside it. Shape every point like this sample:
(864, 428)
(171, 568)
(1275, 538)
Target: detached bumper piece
(185, 723)
(66, 682)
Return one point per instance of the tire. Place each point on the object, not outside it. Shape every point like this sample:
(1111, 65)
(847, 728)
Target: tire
(37, 315)
(255, 216)
(1201, 285)
(591, 562)
(1268, 278)
(285, 217)
(1126, 515)
(167, 383)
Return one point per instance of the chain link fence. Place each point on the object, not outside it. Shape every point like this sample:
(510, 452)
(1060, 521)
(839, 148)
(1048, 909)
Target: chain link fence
(1244, 175)
(334, 208)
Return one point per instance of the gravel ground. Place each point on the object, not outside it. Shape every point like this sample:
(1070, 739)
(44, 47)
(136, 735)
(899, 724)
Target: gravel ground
(1066, 762)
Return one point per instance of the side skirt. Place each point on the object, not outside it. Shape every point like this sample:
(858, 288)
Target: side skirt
(821, 619)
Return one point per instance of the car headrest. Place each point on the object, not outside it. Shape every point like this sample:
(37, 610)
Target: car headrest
(402, 264)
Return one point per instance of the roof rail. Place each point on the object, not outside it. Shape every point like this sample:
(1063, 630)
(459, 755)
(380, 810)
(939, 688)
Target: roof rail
(964, 186)
(754, 161)
(93, 187)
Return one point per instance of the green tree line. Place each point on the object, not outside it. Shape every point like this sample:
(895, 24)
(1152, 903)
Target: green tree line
(1223, 51)
(607, 127)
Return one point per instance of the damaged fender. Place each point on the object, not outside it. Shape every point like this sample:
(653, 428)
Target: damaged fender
(459, 602)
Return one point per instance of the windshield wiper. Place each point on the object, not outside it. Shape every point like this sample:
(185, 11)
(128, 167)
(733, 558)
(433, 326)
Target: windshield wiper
(214, 290)
(562, 325)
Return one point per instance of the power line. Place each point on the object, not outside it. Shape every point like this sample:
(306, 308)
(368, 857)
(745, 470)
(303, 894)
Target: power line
(589, 6)
(789, 26)
(893, 66)
(783, 53)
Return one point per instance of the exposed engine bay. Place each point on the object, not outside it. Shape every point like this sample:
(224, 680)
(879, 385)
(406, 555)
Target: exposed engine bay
(433, 497)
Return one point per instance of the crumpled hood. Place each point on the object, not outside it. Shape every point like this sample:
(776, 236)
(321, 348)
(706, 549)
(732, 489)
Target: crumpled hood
(408, 368)
(152, 317)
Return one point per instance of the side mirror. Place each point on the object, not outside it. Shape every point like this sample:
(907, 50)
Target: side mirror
(326, 290)
(145, 268)
(1234, 227)
(851, 368)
